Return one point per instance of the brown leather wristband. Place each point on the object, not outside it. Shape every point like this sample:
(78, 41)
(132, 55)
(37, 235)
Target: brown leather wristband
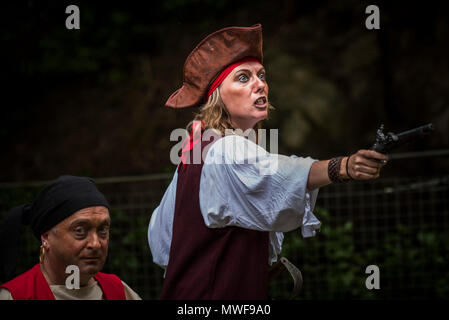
(333, 170)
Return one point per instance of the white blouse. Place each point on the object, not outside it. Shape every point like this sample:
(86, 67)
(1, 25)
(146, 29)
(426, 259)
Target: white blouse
(245, 186)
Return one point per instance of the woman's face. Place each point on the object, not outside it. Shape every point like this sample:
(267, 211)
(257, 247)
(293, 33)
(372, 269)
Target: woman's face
(245, 94)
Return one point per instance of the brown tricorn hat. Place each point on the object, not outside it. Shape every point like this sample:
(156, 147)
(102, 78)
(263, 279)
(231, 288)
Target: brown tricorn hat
(211, 56)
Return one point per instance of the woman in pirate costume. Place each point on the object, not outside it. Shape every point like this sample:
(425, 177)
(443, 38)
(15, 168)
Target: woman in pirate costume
(221, 220)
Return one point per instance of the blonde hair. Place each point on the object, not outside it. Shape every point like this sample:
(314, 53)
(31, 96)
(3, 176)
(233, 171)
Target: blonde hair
(214, 115)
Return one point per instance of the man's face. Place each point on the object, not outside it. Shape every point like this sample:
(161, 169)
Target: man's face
(82, 240)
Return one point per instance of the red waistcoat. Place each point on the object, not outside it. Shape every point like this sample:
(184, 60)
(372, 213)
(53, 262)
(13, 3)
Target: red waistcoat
(211, 263)
(31, 285)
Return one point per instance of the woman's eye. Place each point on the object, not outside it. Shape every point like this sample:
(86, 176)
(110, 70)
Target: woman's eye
(262, 76)
(243, 78)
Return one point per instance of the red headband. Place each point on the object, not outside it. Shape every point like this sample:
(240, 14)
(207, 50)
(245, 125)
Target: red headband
(225, 73)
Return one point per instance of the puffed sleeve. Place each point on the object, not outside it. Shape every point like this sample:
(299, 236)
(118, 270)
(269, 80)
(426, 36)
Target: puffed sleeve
(243, 185)
(161, 225)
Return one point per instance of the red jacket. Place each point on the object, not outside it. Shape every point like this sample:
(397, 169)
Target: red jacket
(31, 285)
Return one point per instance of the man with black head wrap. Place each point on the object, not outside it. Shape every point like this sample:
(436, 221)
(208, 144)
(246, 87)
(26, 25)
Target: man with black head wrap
(70, 216)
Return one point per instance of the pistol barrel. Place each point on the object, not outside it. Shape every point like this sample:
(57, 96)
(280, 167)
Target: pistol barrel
(420, 131)
(387, 142)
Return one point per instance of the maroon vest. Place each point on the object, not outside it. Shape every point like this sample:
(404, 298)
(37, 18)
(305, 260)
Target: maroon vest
(211, 263)
(31, 285)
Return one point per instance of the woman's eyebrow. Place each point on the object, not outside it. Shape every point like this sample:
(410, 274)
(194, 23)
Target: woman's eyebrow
(243, 70)
(249, 71)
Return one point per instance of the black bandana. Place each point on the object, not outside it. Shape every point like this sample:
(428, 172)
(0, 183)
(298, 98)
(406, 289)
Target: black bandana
(57, 201)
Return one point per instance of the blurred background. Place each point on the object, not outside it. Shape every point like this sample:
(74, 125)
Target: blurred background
(91, 102)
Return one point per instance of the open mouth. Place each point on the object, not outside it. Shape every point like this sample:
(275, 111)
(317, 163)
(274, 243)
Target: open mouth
(261, 103)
